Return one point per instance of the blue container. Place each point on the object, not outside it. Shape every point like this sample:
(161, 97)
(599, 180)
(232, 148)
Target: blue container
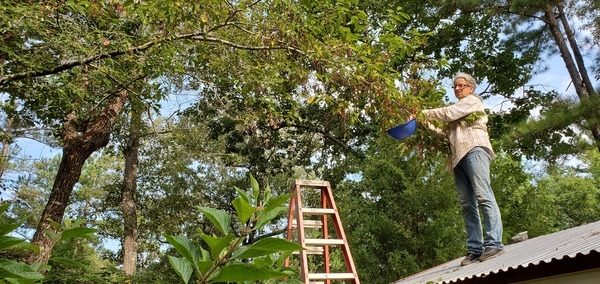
(403, 130)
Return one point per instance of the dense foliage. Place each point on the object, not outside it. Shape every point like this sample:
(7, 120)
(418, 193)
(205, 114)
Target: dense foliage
(163, 109)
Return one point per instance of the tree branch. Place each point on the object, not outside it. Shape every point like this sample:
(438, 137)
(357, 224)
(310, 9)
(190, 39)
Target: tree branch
(274, 233)
(142, 47)
(74, 63)
(245, 47)
(328, 135)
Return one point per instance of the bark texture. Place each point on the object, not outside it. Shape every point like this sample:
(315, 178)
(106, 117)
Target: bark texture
(128, 200)
(79, 143)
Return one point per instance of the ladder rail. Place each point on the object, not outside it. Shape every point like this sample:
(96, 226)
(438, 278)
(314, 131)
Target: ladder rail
(341, 234)
(326, 255)
(301, 236)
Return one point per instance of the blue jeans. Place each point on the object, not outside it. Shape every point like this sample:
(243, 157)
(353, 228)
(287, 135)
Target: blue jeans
(472, 180)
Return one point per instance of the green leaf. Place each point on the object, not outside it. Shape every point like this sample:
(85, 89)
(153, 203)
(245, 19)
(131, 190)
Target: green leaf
(262, 261)
(243, 209)
(268, 216)
(8, 241)
(243, 195)
(7, 228)
(267, 194)
(275, 244)
(183, 268)
(4, 207)
(267, 261)
(78, 232)
(78, 223)
(255, 188)
(277, 201)
(282, 257)
(237, 272)
(29, 246)
(54, 236)
(190, 250)
(219, 218)
(12, 269)
(69, 262)
(266, 246)
(204, 266)
(216, 244)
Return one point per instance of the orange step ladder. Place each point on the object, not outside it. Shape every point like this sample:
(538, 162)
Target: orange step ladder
(318, 246)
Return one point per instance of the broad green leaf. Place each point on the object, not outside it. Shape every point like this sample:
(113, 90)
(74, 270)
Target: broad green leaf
(277, 201)
(268, 260)
(281, 260)
(219, 218)
(4, 207)
(268, 216)
(69, 262)
(183, 267)
(243, 195)
(190, 250)
(8, 241)
(54, 236)
(255, 188)
(266, 246)
(12, 269)
(29, 246)
(38, 266)
(7, 228)
(243, 209)
(78, 232)
(275, 244)
(267, 194)
(204, 266)
(216, 244)
(237, 272)
(78, 223)
(261, 262)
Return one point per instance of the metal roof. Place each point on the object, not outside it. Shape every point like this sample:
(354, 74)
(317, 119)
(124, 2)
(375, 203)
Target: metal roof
(566, 251)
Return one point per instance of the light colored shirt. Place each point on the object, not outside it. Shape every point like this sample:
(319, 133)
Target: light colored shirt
(463, 135)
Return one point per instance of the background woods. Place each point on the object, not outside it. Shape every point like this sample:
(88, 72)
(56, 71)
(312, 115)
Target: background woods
(161, 109)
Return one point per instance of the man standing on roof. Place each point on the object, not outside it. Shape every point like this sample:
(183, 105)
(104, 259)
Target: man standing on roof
(471, 153)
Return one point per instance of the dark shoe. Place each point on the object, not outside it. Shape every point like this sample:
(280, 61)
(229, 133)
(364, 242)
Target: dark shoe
(490, 252)
(470, 258)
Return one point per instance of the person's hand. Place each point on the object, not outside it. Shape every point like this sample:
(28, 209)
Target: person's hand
(411, 117)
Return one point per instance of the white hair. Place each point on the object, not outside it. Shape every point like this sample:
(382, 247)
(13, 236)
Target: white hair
(470, 80)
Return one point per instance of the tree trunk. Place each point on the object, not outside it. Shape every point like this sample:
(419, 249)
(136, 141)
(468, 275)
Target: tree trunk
(5, 147)
(576, 76)
(576, 52)
(564, 49)
(128, 192)
(77, 149)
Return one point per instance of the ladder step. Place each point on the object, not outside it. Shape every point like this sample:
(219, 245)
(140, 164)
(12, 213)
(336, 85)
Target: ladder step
(324, 276)
(309, 223)
(313, 183)
(318, 211)
(324, 242)
(312, 250)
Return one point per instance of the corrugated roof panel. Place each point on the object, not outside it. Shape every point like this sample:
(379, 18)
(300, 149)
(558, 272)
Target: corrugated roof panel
(545, 249)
